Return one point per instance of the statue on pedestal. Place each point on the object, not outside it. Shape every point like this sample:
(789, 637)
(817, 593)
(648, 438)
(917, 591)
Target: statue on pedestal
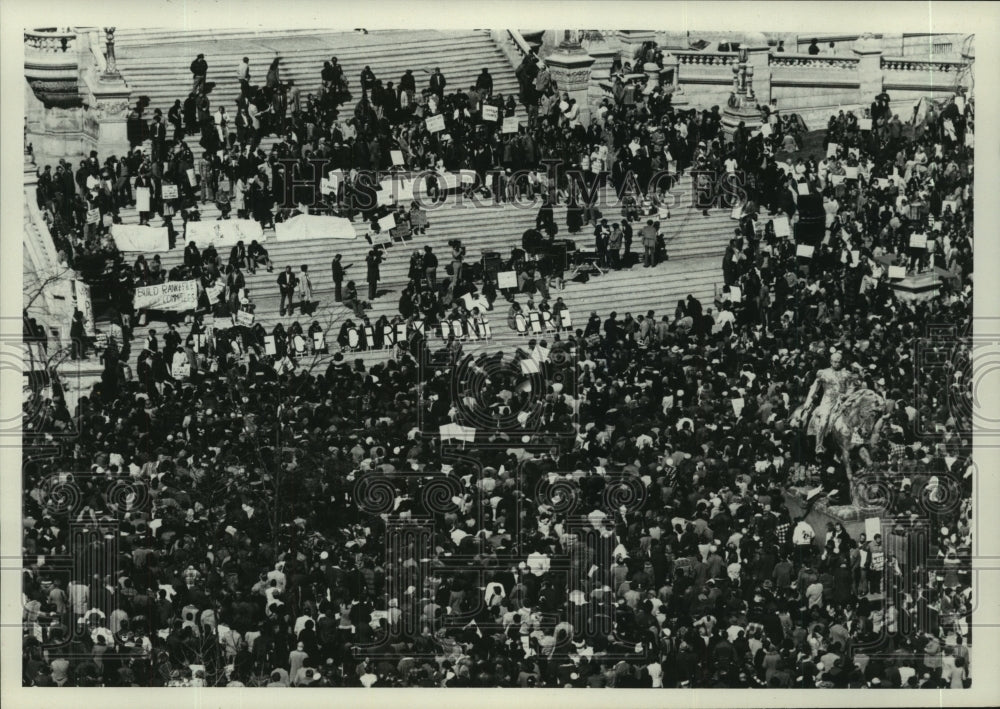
(112, 64)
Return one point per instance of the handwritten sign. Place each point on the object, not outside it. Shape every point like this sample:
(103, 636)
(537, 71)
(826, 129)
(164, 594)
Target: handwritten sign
(510, 125)
(435, 124)
(507, 279)
(918, 241)
(781, 227)
(865, 123)
(836, 179)
(169, 191)
(93, 215)
(490, 113)
(803, 188)
(831, 150)
(142, 199)
(244, 318)
(387, 222)
(897, 272)
(851, 173)
(172, 295)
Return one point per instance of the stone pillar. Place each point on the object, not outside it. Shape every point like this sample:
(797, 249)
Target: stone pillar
(570, 66)
(868, 50)
(109, 108)
(672, 80)
(758, 58)
(631, 40)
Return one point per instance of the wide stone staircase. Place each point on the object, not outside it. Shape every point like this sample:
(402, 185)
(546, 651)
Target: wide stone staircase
(155, 63)
(694, 244)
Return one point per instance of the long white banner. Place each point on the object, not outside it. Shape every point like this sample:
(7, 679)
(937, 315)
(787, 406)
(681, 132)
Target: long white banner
(172, 295)
(146, 239)
(311, 226)
(223, 233)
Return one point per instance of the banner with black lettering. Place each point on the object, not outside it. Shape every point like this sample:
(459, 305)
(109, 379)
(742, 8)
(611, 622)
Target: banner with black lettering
(175, 296)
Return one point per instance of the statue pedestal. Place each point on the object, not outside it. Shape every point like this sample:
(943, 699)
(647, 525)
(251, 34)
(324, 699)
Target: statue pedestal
(748, 115)
(569, 66)
(111, 98)
(918, 287)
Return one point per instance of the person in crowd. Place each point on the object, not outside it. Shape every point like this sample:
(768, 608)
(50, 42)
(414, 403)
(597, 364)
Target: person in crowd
(287, 283)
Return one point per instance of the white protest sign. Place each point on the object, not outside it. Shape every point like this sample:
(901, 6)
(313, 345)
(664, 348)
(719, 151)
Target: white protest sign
(314, 226)
(387, 222)
(510, 125)
(802, 187)
(918, 241)
(831, 150)
(192, 178)
(507, 279)
(490, 113)
(223, 233)
(865, 123)
(85, 305)
(146, 239)
(804, 251)
(142, 199)
(735, 294)
(836, 179)
(397, 157)
(172, 295)
(169, 191)
(93, 215)
(435, 124)
(896, 272)
(781, 227)
(244, 318)
(851, 173)
(738, 405)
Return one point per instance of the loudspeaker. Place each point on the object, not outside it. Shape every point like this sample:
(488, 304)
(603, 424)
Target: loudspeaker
(559, 253)
(492, 263)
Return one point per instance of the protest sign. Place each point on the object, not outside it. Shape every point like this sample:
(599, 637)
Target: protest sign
(223, 233)
(145, 239)
(435, 124)
(507, 279)
(313, 226)
(175, 296)
(804, 251)
(490, 113)
(510, 125)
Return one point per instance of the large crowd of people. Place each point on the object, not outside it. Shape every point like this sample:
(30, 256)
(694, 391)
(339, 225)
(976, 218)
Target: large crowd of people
(621, 514)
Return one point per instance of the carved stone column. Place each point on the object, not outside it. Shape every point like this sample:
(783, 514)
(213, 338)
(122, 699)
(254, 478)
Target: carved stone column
(868, 50)
(570, 66)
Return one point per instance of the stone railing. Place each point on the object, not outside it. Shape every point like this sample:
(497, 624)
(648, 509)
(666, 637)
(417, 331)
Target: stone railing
(812, 61)
(521, 46)
(50, 42)
(695, 58)
(920, 65)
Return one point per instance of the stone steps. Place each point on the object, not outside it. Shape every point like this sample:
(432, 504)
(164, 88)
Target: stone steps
(498, 228)
(162, 72)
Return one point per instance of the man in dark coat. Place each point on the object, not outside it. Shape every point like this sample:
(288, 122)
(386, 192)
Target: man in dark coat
(373, 260)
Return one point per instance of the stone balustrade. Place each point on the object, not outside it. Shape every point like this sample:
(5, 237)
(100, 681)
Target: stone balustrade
(920, 65)
(695, 58)
(813, 61)
(50, 42)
